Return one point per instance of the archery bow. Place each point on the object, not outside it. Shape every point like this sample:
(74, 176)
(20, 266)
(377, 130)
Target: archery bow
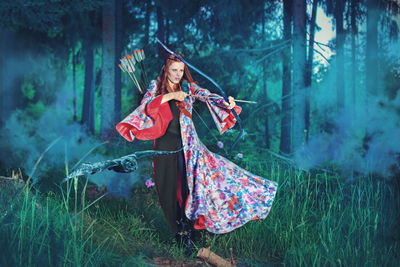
(222, 92)
(217, 97)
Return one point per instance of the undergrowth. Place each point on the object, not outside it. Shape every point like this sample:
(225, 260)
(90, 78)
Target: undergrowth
(316, 220)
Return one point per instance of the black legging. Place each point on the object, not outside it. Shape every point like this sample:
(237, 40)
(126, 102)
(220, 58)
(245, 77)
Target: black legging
(166, 175)
(180, 214)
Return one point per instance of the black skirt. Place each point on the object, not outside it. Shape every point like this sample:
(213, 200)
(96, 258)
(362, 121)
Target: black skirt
(170, 168)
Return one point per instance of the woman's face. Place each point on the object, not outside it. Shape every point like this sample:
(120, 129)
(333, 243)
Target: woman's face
(175, 72)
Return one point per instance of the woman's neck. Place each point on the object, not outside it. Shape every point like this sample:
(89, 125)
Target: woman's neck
(172, 87)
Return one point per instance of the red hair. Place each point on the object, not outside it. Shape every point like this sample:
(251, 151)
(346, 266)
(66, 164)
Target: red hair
(162, 82)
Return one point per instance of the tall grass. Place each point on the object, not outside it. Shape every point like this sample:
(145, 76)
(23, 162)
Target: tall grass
(44, 230)
(316, 220)
(319, 220)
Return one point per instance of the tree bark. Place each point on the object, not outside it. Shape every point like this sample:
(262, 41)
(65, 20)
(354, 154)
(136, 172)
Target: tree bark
(167, 32)
(285, 143)
(108, 71)
(353, 54)
(160, 32)
(88, 92)
(147, 23)
(3, 75)
(309, 66)
(339, 9)
(207, 255)
(372, 48)
(74, 82)
(118, 54)
(8, 96)
(299, 62)
(92, 101)
(266, 120)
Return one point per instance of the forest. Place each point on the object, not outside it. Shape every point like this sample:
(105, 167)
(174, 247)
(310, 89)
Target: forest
(322, 81)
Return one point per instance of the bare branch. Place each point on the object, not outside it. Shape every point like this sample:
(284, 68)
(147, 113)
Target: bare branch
(322, 55)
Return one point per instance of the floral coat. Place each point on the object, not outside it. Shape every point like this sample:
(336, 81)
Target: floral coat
(222, 196)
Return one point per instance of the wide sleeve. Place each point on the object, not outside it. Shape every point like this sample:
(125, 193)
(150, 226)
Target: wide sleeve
(223, 117)
(149, 120)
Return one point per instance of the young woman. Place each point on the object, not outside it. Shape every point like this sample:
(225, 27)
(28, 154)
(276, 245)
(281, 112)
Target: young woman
(194, 184)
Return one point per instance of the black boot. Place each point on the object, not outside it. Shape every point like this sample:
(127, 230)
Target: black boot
(183, 237)
(179, 233)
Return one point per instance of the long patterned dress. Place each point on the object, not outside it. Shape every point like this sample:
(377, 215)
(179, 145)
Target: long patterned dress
(222, 196)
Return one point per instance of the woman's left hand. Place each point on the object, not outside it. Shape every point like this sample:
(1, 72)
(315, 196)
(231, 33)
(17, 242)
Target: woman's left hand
(231, 104)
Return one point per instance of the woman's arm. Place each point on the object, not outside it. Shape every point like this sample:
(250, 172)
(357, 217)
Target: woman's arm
(150, 93)
(149, 120)
(218, 107)
(206, 96)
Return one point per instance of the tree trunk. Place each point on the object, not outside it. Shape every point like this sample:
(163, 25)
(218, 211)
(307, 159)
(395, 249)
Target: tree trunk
(108, 71)
(309, 66)
(147, 23)
(299, 62)
(160, 32)
(353, 54)
(74, 81)
(167, 33)
(339, 9)
(285, 143)
(92, 105)
(372, 48)
(3, 75)
(8, 95)
(266, 121)
(88, 92)
(118, 54)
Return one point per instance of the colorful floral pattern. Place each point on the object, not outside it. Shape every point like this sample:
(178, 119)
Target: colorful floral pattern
(223, 195)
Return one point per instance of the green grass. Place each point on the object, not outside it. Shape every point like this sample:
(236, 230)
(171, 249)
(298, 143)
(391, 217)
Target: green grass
(319, 220)
(44, 230)
(316, 220)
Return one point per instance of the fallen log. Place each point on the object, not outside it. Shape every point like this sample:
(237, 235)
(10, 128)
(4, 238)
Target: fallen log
(209, 256)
